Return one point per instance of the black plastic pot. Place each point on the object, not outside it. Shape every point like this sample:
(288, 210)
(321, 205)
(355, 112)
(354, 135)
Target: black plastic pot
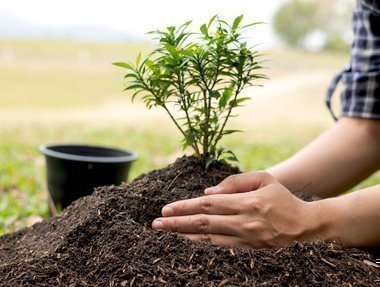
(74, 171)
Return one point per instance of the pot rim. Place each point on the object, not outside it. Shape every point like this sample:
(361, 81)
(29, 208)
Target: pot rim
(129, 156)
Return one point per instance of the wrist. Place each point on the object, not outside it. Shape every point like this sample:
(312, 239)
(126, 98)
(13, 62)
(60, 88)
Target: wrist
(326, 220)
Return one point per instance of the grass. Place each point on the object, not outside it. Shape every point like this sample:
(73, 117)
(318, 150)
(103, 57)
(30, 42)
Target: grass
(22, 178)
(61, 91)
(59, 74)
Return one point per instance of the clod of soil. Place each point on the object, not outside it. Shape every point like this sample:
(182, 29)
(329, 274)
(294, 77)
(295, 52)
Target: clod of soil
(105, 240)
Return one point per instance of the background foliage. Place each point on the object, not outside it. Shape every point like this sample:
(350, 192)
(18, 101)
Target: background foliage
(320, 24)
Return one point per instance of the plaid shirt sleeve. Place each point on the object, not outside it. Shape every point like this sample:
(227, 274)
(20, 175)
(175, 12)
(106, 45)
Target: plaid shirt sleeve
(361, 79)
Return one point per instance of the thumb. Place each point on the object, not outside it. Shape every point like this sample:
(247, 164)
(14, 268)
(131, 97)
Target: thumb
(243, 182)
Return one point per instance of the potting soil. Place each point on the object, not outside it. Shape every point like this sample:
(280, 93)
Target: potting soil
(105, 239)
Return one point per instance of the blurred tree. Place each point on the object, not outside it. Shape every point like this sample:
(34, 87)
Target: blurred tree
(315, 25)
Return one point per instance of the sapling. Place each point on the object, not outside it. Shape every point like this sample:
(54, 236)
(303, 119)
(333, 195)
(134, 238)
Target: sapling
(197, 78)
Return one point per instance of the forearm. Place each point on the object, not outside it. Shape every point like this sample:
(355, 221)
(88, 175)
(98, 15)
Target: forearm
(336, 161)
(352, 219)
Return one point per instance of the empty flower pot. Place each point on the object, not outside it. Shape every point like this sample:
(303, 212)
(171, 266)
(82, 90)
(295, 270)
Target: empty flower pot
(74, 171)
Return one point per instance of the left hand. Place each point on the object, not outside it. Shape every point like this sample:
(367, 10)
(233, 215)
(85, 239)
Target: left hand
(246, 210)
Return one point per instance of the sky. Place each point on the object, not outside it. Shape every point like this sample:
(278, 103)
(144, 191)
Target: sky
(139, 16)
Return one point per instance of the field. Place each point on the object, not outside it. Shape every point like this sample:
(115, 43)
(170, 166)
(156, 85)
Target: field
(62, 91)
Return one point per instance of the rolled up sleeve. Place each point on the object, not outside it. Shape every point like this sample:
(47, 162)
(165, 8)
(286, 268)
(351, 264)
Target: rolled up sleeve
(360, 96)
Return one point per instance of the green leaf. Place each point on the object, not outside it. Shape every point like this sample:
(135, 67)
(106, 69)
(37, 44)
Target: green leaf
(131, 75)
(135, 94)
(171, 29)
(219, 152)
(172, 51)
(204, 30)
(187, 23)
(252, 24)
(187, 52)
(227, 132)
(138, 59)
(190, 138)
(124, 65)
(238, 101)
(232, 156)
(226, 95)
(237, 21)
(209, 161)
(211, 20)
(215, 94)
(134, 86)
(149, 63)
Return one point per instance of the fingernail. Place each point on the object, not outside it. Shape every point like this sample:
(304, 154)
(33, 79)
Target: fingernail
(158, 225)
(213, 189)
(167, 211)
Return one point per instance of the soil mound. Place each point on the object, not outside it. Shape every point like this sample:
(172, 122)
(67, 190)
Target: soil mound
(105, 240)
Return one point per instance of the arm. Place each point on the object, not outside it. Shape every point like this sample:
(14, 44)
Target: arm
(352, 219)
(336, 161)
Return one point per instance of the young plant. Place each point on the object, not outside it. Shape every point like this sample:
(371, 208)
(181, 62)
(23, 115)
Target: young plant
(197, 79)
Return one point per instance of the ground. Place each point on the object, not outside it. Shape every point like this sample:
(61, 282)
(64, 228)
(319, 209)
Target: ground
(104, 240)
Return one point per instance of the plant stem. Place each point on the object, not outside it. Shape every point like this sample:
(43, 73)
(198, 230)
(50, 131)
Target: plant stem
(212, 87)
(174, 120)
(205, 90)
(220, 134)
(206, 124)
(180, 77)
(148, 88)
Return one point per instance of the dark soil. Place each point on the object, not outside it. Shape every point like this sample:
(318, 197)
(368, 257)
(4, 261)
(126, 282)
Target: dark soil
(105, 240)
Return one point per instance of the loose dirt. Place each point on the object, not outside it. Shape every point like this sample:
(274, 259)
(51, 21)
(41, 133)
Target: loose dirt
(105, 240)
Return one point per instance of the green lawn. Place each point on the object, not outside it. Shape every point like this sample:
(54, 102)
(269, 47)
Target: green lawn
(22, 179)
(61, 91)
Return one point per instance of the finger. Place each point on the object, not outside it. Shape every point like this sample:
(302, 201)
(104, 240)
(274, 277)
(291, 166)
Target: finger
(197, 224)
(221, 204)
(218, 239)
(243, 182)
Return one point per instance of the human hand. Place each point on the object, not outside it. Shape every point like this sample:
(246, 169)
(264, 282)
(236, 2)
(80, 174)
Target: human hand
(247, 210)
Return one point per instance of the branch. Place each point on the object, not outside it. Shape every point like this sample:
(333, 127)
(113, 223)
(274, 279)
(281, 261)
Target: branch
(173, 119)
(186, 109)
(149, 89)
